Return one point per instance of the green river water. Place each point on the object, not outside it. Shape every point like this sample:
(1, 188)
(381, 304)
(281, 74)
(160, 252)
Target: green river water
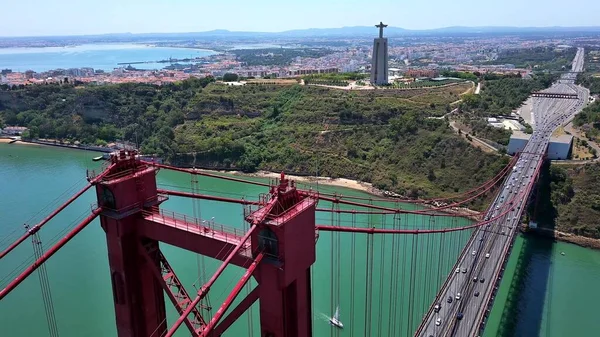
(543, 293)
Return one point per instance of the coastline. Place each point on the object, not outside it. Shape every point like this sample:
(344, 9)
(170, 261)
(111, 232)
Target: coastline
(19, 142)
(53, 144)
(347, 183)
(557, 235)
(370, 189)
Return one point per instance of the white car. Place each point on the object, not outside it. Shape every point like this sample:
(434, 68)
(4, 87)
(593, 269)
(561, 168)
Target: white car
(438, 321)
(457, 270)
(473, 253)
(487, 256)
(458, 296)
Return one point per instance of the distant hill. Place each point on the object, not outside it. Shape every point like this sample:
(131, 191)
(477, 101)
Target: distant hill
(370, 31)
(355, 31)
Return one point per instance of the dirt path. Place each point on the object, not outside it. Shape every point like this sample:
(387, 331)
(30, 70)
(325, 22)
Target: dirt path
(478, 143)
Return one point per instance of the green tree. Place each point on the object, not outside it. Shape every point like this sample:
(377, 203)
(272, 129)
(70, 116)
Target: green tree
(230, 77)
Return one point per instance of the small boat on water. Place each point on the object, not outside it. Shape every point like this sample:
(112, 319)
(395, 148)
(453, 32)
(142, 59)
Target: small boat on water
(335, 320)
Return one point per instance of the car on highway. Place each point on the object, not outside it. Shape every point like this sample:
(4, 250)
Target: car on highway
(437, 308)
(459, 316)
(476, 294)
(475, 279)
(457, 270)
(464, 270)
(458, 296)
(487, 255)
(481, 280)
(473, 253)
(449, 300)
(438, 321)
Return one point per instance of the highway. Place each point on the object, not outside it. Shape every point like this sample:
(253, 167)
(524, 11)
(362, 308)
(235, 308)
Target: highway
(463, 302)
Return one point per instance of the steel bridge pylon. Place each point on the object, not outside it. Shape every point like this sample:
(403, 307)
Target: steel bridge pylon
(277, 251)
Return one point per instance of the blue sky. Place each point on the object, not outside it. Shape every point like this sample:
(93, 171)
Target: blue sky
(76, 17)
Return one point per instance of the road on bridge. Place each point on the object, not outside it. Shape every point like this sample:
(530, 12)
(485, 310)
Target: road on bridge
(462, 304)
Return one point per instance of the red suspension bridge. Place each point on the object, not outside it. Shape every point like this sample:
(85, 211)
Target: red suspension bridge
(401, 272)
(399, 279)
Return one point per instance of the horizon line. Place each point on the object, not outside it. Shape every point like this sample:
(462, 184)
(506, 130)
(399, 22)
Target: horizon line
(301, 29)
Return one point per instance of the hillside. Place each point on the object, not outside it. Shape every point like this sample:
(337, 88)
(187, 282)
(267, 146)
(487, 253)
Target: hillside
(384, 136)
(571, 199)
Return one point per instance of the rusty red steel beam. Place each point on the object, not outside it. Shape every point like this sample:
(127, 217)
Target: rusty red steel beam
(373, 230)
(249, 202)
(231, 297)
(44, 221)
(205, 288)
(170, 294)
(14, 283)
(237, 312)
(205, 174)
(208, 197)
(202, 173)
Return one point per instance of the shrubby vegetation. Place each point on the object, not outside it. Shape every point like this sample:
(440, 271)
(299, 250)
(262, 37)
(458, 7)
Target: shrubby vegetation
(543, 58)
(381, 136)
(337, 77)
(277, 56)
(423, 84)
(460, 74)
(499, 95)
(590, 81)
(570, 199)
(589, 121)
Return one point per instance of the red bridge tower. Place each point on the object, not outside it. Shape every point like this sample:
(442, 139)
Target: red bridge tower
(277, 251)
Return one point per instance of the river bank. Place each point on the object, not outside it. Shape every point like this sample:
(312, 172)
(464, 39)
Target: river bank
(581, 241)
(352, 184)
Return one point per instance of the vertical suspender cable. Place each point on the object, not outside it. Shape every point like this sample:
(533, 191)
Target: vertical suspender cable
(411, 297)
(339, 255)
(332, 266)
(392, 295)
(382, 268)
(45, 287)
(403, 302)
(352, 275)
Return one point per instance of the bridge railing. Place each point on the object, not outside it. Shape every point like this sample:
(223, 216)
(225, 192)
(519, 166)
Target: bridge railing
(206, 226)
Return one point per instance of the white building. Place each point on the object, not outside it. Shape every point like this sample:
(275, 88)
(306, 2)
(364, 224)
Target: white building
(559, 148)
(379, 63)
(517, 142)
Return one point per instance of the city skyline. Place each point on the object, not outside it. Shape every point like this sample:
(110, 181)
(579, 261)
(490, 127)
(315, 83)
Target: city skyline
(68, 17)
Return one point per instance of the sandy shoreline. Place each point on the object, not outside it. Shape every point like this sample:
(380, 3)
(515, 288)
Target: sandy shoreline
(7, 140)
(347, 183)
(338, 182)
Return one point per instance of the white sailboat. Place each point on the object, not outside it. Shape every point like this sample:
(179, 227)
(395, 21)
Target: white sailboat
(335, 320)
